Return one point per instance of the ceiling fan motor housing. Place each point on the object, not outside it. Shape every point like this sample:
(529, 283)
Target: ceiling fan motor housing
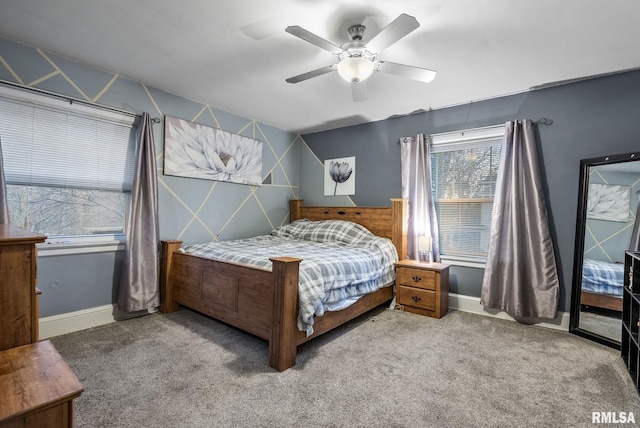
(356, 32)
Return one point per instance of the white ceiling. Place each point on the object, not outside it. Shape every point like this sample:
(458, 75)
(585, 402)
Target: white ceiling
(235, 54)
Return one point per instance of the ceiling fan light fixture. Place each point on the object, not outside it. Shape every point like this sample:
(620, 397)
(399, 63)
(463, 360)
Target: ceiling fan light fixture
(355, 69)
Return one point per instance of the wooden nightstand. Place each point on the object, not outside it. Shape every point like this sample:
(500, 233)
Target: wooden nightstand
(422, 288)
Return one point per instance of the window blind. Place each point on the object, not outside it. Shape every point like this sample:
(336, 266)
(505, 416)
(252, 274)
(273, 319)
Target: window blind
(464, 172)
(47, 142)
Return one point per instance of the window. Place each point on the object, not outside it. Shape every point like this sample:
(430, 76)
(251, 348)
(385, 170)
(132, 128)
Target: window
(68, 167)
(464, 169)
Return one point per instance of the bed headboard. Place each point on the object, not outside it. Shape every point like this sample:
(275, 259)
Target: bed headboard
(389, 222)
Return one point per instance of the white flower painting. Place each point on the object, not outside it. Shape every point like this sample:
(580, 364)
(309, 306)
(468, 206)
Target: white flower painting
(608, 202)
(199, 151)
(339, 176)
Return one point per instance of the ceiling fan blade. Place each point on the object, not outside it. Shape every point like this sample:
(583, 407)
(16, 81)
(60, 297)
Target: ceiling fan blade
(416, 73)
(313, 73)
(399, 27)
(359, 91)
(308, 36)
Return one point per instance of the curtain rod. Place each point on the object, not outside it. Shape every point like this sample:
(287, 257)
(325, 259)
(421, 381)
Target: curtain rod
(541, 121)
(72, 100)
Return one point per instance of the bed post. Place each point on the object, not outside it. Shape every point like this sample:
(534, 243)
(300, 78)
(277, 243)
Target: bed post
(294, 209)
(166, 291)
(399, 215)
(282, 345)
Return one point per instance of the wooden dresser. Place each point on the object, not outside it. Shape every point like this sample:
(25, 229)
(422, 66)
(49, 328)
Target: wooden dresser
(37, 388)
(422, 288)
(18, 300)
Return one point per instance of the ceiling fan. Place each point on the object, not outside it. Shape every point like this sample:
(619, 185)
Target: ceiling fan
(357, 59)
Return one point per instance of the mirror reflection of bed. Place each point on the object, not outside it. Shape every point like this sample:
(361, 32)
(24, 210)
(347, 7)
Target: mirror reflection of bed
(610, 189)
(601, 298)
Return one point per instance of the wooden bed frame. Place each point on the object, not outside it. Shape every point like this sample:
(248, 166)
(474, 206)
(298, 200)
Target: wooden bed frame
(265, 302)
(601, 301)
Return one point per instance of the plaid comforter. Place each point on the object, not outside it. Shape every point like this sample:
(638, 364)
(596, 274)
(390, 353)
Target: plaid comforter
(602, 277)
(340, 260)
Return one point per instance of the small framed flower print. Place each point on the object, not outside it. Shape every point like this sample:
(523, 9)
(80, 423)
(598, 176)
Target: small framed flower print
(339, 176)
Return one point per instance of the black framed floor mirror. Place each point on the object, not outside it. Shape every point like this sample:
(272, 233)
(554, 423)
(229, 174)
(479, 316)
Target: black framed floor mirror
(609, 191)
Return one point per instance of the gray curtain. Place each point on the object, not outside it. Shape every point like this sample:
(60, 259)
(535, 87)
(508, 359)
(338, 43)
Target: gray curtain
(520, 276)
(140, 272)
(416, 187)
(4, 205)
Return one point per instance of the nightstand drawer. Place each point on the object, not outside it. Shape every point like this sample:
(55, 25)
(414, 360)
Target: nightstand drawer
(420, 278)
(416, 297)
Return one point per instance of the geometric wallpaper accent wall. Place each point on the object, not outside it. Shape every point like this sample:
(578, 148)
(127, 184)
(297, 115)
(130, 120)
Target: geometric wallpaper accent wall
(608, 240)
(193, 210)
(203, 210)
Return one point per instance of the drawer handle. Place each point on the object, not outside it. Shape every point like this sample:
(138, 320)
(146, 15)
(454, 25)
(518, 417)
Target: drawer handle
(416, 278)
(415, 299)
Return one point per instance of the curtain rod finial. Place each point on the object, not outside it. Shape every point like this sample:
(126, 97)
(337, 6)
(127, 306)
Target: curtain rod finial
(544, 121)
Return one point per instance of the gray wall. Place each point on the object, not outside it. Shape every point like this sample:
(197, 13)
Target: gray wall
(190, 209)
(591, 118)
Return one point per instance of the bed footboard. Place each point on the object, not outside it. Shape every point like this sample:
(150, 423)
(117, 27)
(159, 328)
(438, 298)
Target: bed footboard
(260, 301)
(601, 301)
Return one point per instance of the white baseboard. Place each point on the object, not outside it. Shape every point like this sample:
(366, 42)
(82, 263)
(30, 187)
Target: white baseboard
(75, 321)
(80, 320)
(472, 304)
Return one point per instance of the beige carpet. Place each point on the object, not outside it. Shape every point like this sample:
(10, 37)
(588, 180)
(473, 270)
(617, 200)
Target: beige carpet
(388, 369)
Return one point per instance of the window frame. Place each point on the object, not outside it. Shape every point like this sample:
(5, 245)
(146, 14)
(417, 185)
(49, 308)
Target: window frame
(75, 244)
(460, 140)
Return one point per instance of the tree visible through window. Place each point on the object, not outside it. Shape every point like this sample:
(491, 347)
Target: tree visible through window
(54, 211)
(464, 181)
(68, 167)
